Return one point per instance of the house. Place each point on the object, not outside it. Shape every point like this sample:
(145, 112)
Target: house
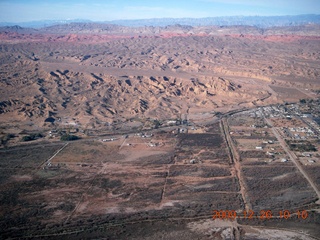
(171, 122)
(306, 154)
(73, 130)
(270, 153)
(152, 144)
(146, 135)
(182, 130)
(108, 139)
(192, 161)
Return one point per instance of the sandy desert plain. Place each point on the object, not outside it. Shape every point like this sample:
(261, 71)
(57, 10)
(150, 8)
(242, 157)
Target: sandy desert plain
(183, 132)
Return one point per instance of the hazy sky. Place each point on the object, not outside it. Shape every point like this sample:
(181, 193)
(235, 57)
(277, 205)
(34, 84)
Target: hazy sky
(99, 10)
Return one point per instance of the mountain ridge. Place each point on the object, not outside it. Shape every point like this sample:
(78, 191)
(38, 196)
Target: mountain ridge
(258, 21)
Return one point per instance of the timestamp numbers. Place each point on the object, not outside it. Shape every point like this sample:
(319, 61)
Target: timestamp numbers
(262, 215)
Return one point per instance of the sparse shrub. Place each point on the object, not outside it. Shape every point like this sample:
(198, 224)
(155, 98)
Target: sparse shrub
(9, 136)
(6, 138)
(156, 124)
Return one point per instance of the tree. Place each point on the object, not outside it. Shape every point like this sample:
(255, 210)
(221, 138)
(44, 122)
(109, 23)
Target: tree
(156, 123)
(31, 137)
(68, 137)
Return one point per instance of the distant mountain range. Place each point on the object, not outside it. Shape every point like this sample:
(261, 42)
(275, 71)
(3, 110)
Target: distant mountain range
(257, 21)
(43, 23)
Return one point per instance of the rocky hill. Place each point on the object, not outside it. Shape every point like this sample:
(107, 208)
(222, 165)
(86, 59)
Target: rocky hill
(93, 75)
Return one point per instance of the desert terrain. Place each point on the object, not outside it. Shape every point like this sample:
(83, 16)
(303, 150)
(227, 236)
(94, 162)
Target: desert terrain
(208, 132)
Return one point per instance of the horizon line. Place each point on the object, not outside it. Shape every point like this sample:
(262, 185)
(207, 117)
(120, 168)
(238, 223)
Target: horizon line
(157, 18)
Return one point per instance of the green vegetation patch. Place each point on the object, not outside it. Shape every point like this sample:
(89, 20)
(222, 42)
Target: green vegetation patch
(301, 146)
(32, 137)
(68, 137)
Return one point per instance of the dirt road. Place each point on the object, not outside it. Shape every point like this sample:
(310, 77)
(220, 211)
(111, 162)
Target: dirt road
(235, 159)
(292, 156)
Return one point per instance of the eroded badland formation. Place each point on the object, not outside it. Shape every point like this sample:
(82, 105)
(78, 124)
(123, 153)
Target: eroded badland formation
(100, 74)
(174, 123)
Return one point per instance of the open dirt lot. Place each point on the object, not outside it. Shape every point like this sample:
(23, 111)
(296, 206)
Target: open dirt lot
(288, 94)
(90, 179)
(107, 188)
